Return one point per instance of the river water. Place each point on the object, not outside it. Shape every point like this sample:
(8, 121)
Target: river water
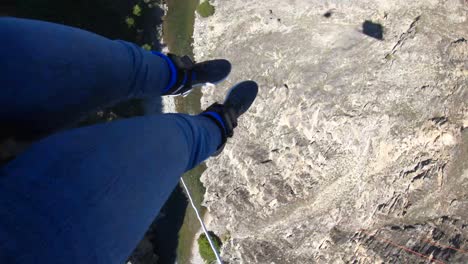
(178, 36)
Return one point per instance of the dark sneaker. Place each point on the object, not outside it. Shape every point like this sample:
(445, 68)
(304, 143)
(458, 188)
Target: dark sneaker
(191, 74)
(237, 102)
(241, 96)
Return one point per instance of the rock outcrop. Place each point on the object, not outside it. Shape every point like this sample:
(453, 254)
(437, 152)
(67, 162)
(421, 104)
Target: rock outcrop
(356, 149)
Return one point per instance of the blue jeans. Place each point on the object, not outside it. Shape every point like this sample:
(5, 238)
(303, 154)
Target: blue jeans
(86, 195)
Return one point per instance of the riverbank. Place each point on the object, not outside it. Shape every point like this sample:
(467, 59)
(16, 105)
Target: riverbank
(178, 36)
(195, 252)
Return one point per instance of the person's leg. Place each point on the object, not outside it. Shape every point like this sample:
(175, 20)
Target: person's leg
(88, 195)
(51, 75)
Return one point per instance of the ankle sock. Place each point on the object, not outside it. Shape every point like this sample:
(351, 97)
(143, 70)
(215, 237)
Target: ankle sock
(172, 68)
(218, 120)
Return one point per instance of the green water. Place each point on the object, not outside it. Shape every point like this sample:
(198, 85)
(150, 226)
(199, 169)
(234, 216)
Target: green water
(178, 35)
(178, 26)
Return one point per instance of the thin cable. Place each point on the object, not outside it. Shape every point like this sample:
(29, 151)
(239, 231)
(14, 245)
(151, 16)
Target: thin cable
(218, 258)
(440, 245)
(432, 259)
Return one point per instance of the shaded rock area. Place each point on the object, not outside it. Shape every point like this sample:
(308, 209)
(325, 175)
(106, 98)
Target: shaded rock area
(144, 252)
(356, 150)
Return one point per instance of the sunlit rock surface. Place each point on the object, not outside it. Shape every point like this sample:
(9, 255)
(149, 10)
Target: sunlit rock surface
(356, 149)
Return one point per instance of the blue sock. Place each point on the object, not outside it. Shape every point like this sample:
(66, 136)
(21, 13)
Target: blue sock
(217, 117)
(172, 68)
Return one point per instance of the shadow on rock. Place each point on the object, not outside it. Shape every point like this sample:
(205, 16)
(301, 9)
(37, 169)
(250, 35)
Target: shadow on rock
(372, 29)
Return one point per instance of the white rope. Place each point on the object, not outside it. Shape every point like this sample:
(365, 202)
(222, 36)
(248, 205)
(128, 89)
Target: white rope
(218, 258)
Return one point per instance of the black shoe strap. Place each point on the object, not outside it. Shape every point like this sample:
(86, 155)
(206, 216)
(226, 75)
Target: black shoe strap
(184, 66)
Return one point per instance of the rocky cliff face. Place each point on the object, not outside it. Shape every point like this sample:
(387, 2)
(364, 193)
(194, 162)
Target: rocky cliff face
(356, 149)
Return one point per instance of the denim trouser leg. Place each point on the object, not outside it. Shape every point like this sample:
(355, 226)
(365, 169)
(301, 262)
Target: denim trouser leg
(88, 195)
(51, 75)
